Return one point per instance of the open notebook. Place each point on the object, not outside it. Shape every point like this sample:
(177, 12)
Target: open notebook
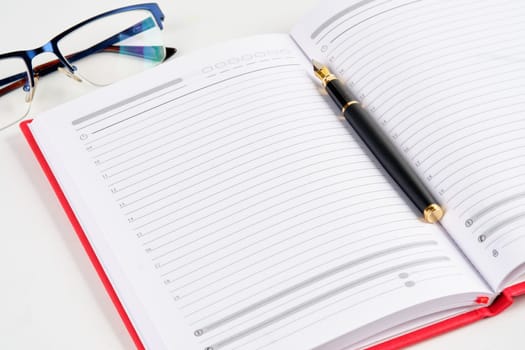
(228, 206)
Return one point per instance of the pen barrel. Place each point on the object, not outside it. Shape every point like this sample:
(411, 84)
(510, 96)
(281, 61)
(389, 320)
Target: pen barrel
(339, 93)
(381, 147)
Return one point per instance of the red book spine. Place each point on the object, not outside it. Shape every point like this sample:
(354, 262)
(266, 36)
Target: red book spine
(502, 302)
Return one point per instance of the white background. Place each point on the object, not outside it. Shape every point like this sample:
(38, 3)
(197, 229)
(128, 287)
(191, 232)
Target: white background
(50, 296)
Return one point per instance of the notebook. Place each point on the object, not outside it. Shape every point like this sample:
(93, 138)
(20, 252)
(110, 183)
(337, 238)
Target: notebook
(227, 205)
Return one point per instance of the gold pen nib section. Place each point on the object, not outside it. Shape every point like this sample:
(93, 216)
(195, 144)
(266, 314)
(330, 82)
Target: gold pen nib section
(322, 72)
(433, 213)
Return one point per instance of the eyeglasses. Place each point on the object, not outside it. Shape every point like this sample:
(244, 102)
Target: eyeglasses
(99, 50)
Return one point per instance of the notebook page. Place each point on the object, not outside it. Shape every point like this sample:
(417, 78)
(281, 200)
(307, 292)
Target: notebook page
(233, 210)
(446, 81)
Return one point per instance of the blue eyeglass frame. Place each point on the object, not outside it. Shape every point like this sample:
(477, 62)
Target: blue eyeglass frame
(52, 45)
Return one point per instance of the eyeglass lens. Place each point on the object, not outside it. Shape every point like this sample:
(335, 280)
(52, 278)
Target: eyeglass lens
(102, 52)
(114, 47)
(15, 91)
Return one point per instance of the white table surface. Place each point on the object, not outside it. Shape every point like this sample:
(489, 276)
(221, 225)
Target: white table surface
(50, 296)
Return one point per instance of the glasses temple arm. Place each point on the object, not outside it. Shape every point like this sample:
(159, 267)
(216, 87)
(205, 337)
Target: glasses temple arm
(13, 86)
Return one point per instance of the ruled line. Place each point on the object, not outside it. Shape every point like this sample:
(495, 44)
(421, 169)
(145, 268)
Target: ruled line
(322, 297)
(123, 103)
(192, 92)
(197, 299)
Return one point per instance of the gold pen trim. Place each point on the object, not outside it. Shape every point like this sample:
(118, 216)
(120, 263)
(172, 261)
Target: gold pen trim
(328, 79)
(348, 104)
(323, 73)
(433, 213)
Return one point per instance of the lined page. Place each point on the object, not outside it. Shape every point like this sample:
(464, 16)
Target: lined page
(446, 81)
(243, 212)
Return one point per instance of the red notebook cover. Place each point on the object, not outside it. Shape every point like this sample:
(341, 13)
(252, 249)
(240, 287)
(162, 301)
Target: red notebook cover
(503, 301)
(24, 126)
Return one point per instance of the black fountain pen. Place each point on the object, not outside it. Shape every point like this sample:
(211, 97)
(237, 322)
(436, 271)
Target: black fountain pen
(379, 144)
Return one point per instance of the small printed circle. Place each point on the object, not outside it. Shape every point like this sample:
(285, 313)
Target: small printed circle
(469, 223)
(495, 253)
(83, 137)
(410, 284)
(482, 238)
(324, 48)
(403, 275)
(198, 332)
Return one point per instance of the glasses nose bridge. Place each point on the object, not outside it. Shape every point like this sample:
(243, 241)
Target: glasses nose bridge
(48, 47)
